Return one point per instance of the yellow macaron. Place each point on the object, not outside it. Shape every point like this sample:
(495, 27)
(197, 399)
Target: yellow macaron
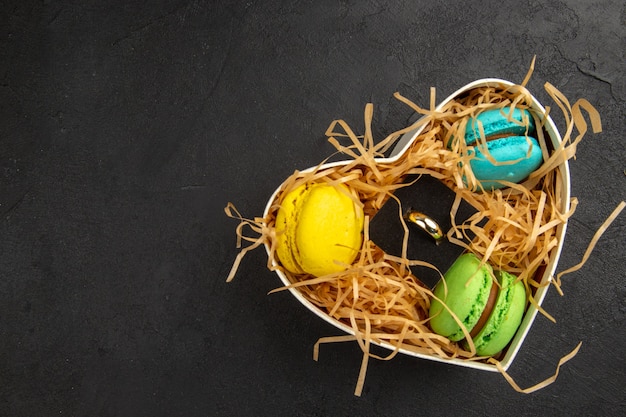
(319, 229)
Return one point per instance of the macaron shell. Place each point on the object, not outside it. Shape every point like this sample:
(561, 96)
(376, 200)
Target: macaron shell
(522, 149)
(286, 221)
(466, 297)
(328, 236)
(505, 318)
(496, 122)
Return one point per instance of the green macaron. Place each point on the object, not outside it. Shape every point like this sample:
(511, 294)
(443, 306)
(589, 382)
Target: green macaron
(491, 312)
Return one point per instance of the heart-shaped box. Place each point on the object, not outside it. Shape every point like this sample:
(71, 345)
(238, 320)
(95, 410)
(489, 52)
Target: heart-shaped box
(546, 274)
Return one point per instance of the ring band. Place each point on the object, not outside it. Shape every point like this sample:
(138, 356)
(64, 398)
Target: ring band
(425, 223)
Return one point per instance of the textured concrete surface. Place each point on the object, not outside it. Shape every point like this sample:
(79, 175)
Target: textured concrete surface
(126, 127)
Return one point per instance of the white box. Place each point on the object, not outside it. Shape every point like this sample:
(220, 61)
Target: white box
(402, 146)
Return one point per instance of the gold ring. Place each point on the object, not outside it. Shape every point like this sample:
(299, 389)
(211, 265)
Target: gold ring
(425, 223)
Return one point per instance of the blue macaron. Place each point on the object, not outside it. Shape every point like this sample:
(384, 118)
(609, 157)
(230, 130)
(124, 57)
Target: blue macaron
(509, 141)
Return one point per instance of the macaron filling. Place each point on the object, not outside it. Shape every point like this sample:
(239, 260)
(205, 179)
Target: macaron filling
(505, 318)
(491, 302)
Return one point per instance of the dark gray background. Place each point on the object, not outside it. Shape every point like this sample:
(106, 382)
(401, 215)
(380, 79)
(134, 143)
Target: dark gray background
(127, 126)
